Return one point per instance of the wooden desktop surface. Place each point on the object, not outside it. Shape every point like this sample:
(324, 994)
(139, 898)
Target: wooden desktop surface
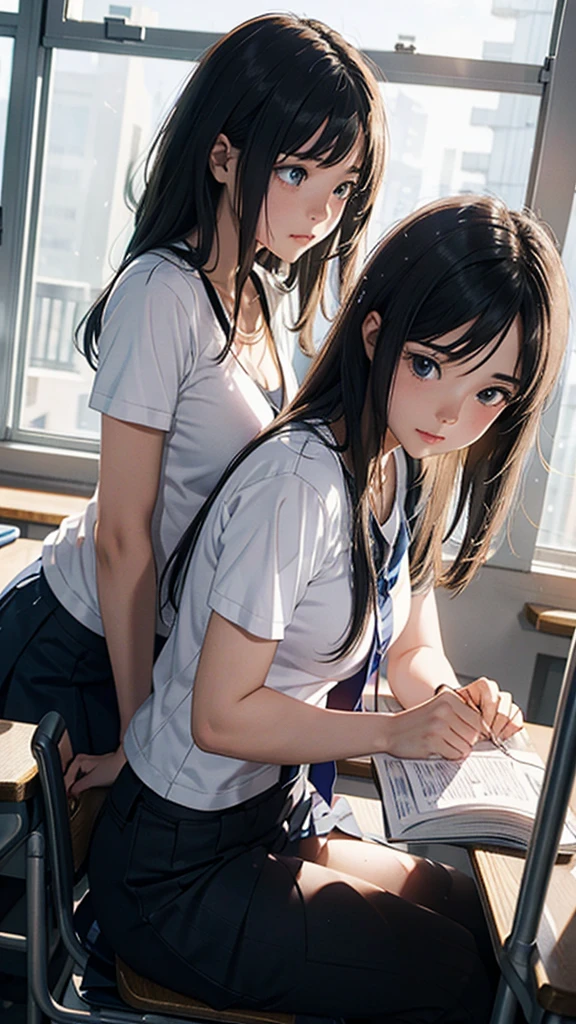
(16, 556)
(48, 508)
(18, 772)
(17, 766)
(499, 874)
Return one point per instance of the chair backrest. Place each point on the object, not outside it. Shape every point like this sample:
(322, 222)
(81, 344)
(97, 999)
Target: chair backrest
(45, 748)
(68, 824)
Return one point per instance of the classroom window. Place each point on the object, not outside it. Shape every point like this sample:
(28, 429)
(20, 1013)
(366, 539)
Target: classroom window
(6, 48)
(488, 29)
(446, 141)
(558, 527)
(98, 113)
(104, 112)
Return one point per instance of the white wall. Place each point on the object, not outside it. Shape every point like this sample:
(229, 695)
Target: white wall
(485, 632)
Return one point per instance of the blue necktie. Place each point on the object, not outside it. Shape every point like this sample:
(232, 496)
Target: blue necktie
(347, 694)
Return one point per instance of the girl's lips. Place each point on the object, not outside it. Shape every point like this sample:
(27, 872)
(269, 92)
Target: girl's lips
(429, 438)
(303, 238)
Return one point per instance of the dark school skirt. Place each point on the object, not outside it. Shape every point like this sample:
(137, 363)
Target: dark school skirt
(218, 905)
(51, 662)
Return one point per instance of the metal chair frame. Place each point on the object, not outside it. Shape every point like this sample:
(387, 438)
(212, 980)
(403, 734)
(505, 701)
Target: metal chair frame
(516, 956)
(56, 836)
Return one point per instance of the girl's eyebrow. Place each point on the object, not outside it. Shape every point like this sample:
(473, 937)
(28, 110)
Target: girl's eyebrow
(507, 379)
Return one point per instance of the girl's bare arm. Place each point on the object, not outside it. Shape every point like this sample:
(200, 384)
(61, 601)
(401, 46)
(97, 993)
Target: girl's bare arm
(130, 463)
(129, 477)
(417, 663)
(235, 714)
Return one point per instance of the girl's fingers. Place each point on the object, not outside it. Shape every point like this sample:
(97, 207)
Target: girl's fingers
(511, 724)
(484, 694)
(83, 782)
(456, 726)
(81, 765)
(504, 713)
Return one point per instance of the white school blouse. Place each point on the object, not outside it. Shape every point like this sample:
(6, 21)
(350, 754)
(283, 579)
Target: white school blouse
(274, 558)
(157, 367)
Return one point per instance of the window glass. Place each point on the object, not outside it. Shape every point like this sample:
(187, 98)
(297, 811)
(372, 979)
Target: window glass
(11, 6)
(459, 28)
(103, 114)
(6, 48)
(446, 141)
(558, 521)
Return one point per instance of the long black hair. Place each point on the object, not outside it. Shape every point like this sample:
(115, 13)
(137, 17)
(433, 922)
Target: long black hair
(269, 86)
(458, 261)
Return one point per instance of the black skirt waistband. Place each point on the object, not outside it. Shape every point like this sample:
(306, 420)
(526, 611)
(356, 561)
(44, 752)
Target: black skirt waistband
(271, 807)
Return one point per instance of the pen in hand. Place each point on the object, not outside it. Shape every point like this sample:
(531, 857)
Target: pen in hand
(487, 728)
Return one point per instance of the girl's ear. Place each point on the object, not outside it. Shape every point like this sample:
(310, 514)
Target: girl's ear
(370, 331)
(222, 156)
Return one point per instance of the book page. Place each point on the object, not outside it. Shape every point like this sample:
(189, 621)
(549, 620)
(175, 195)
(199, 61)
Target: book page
(486, 787)
(487, 776)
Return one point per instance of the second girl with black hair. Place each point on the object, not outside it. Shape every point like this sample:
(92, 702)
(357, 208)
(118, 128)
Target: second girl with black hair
(275, 146)
(209, 872)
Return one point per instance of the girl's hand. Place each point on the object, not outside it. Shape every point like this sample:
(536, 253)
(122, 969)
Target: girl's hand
(446, 725)
(496, 706)
(87, 771)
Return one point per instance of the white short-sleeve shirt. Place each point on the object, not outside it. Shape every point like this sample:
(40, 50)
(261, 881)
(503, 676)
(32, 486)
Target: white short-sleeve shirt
(274, 558)
(157, 367)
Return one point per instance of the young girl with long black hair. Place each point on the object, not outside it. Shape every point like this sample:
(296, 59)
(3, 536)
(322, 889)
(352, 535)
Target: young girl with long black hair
(273, 150)
(209, 873)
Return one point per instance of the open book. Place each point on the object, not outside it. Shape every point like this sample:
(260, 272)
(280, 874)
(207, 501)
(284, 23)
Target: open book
(490, 797)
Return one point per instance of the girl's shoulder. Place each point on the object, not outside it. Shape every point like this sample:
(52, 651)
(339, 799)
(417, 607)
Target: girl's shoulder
(299, 454)
(161, 274)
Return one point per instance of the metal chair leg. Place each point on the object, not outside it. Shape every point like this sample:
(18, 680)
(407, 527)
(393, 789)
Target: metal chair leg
(34, 1014)
(504, 1005)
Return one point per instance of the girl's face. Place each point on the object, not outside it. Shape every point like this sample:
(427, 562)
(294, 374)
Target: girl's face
(305, 201)
(439, 406)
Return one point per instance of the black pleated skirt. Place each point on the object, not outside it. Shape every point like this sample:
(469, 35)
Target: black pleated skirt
(218, 905)
(51, 662)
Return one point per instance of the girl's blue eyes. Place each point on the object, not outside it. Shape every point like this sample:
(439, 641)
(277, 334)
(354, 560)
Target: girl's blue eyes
(423, 367)
(493, 396)
(291, 175)
(296, 175)
(426, 368)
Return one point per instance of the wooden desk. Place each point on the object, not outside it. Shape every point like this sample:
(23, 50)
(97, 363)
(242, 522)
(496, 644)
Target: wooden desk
(498, 876)
(18, 784)
(18, 768)
(46, 507)
(558, 621)
(16, 556)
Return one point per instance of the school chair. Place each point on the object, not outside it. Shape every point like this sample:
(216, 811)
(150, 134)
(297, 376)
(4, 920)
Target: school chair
(65, 851)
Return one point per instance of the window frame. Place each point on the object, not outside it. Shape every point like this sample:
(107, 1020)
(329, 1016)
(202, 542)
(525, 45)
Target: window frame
(36, 459)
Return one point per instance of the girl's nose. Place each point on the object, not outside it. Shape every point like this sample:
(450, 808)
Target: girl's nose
(318, 208)
(449, 411)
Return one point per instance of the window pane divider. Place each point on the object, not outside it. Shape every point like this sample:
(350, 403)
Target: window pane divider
(27, 70)
(30, 256)
(180, 44)
(458, 72)
(8, 24)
